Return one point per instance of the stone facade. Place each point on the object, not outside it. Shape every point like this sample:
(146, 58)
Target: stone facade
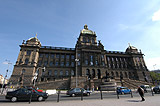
(88, 59)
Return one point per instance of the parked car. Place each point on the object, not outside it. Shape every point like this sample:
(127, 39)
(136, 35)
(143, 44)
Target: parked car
(25, 94)
(33, 88)
(156, 89)
(78, 91)
(146, 88)
(123, 90)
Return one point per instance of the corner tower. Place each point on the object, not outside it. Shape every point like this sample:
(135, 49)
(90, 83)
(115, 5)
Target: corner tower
(26, 63)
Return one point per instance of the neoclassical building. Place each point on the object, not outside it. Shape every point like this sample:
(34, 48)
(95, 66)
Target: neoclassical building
(87, 60)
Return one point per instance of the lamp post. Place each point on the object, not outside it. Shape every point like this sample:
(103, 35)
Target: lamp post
(36, 74)
(6, 74)
(76, 60)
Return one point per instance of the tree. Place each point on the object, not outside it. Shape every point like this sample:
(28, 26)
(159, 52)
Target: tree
(155, 76)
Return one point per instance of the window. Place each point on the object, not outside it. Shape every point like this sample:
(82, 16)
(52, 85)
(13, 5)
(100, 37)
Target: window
(57, 63)
(23, 71)
(84, 40)
(108, 59)
(57, 55)
(61, 72)
(67, 72)
(67, 56)
(86, 62)
(40, 55)
(96, 62)
(79, 55)
(51, 63)
(102, 56)
(20, 61)
(26, 61)
(72, 57)
(62, 63)
(45, 63)
(52, 55)
(67, 63)
(72, 64)
(46, 55)
(103, 64)
(55, 72)
(89, 39)
(62, 56)
(91, 60)
(50, 72)
(28, 52)
(92, 40)
(79, 63)
(39, 62)
(72, 72)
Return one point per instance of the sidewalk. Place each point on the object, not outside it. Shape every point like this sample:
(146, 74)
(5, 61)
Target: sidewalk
(136, 101)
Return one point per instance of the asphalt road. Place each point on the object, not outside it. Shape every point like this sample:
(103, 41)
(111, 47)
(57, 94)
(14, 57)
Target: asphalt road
(94, 96)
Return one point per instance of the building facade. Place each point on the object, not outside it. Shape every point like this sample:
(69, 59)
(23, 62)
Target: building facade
(87, 60)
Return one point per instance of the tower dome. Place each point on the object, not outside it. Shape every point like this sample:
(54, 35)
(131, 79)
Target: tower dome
(33, 42)
(131, 49)
(86, 30)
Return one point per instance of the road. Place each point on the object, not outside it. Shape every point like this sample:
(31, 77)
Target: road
(94, 96)
(109, 99)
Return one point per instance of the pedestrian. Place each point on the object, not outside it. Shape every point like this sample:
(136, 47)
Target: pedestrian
(141, 93)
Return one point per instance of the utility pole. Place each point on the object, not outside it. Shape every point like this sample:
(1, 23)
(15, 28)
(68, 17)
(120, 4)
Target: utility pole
(76, 60)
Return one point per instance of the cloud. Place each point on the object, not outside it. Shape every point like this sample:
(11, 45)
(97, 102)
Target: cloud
(5, 62)
(156, 16)
(153, 63)
(123, 27)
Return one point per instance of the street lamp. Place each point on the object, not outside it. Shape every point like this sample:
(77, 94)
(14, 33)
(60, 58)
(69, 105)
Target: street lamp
(36, 74)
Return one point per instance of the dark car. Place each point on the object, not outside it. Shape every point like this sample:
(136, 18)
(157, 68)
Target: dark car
(25, 94)
(146, 88)
(156, 89)
(123, 90)
(78, 91)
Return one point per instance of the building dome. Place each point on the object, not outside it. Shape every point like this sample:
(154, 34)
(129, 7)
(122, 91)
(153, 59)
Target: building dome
(87, 31)
(33, 41)
(132, 49)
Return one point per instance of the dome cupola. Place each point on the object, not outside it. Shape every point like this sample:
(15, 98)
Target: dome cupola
(131, 49)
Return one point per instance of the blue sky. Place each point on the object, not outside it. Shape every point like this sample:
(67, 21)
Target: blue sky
(58, 23)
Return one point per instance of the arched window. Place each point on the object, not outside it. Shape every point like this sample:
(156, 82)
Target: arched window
(93, 73)
(117, 75)
(126, 74)
(87, 72)
(112, 74)
(99, 73)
